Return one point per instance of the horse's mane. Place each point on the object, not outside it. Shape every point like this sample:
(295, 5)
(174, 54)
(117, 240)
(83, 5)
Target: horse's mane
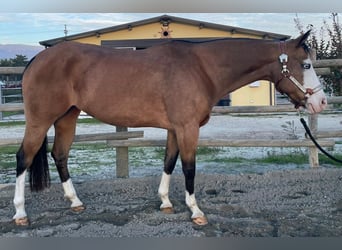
(28, 64)
(306, 48)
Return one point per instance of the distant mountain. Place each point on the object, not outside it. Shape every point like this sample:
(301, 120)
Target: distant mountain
(8, 51)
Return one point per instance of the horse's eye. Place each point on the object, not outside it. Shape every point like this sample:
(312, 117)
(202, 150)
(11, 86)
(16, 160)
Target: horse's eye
(306, 65)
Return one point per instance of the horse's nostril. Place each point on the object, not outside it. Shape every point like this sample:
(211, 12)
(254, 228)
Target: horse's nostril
(324, 101)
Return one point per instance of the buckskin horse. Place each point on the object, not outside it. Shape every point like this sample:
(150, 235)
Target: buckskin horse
(172, 86)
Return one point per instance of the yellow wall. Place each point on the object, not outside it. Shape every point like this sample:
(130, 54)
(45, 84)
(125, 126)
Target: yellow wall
(245, 96)
(253, 95)
(192, 31)
(148, 31)
(154, 30)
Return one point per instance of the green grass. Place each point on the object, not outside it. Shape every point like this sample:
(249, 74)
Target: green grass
(297, 159)
(212, 154)
(284, 159)
(7, 157)
(229, 160)
(12, 123)
(140, 156)
(325, 160)
(88, 121)
(89, 146)
(8, 150)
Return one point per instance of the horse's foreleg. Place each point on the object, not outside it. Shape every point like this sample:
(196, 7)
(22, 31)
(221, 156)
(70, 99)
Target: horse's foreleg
(187, 139)
(64, 134)
(198, 216)
(171, 155)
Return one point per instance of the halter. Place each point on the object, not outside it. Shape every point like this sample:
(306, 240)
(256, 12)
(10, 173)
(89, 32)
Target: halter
(283, 58)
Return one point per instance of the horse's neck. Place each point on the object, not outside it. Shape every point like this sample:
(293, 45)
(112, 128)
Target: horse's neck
(237, 64)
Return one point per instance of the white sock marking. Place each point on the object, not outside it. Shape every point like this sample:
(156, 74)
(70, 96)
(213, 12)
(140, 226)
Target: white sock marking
(19, 197)
(70, 193)
(163, 191)
(190, 201)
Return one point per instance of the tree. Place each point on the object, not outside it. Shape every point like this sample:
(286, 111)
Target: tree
(328, 45)
(5, 63)
(19, 60)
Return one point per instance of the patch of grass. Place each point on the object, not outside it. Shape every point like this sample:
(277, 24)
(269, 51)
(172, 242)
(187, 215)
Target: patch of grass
(230, 160)
(8, 149)
(159, 152)
(284, 159)
(297, 159)
(89, 146)
(98, 152)
(88, 121)
(8, 164)
(10, 113)
(7, 157)
(208, 150)
(12, 123)
(325, 160)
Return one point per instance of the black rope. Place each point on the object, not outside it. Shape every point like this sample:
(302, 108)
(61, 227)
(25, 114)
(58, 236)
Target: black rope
(307, 129)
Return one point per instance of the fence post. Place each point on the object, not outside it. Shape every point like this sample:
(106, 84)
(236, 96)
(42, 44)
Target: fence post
(313, 151)
(122, 170)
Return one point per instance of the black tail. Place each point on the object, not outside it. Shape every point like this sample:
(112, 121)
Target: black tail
(39, 170)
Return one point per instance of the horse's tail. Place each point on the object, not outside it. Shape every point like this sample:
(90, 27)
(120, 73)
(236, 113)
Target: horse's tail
(39, 170)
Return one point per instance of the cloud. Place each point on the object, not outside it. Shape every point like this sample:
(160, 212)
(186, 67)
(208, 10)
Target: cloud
(34, 27)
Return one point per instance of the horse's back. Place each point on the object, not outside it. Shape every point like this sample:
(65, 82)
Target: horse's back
(124, 87)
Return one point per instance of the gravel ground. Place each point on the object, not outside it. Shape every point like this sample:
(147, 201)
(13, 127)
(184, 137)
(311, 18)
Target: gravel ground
(276, 204)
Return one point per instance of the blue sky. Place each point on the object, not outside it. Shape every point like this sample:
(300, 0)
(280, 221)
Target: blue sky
(30, 28)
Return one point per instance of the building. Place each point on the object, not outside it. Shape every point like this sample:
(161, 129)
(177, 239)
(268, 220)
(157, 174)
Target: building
(148, 32)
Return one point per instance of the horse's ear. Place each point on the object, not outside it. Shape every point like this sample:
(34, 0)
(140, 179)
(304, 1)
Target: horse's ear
(300, 41)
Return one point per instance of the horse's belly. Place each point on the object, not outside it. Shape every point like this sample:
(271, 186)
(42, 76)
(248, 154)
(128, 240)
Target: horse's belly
(124, 116)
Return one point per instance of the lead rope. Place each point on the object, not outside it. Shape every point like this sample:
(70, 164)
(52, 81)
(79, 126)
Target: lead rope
(308, 132)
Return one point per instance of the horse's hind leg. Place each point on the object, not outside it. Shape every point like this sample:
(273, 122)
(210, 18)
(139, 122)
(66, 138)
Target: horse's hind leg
(171, 155)
(32, 156)
(64, 135)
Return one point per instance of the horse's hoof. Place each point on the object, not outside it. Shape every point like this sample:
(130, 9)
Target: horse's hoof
(78, 208)
(22, 221)
(167, 210)
(201, 221)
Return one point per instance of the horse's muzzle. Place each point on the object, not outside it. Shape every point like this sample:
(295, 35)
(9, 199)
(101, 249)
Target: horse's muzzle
(317, 104)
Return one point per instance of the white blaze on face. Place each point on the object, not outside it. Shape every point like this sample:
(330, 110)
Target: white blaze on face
(318, 101)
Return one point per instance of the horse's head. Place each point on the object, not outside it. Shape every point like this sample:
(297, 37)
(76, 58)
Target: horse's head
(296, 76)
